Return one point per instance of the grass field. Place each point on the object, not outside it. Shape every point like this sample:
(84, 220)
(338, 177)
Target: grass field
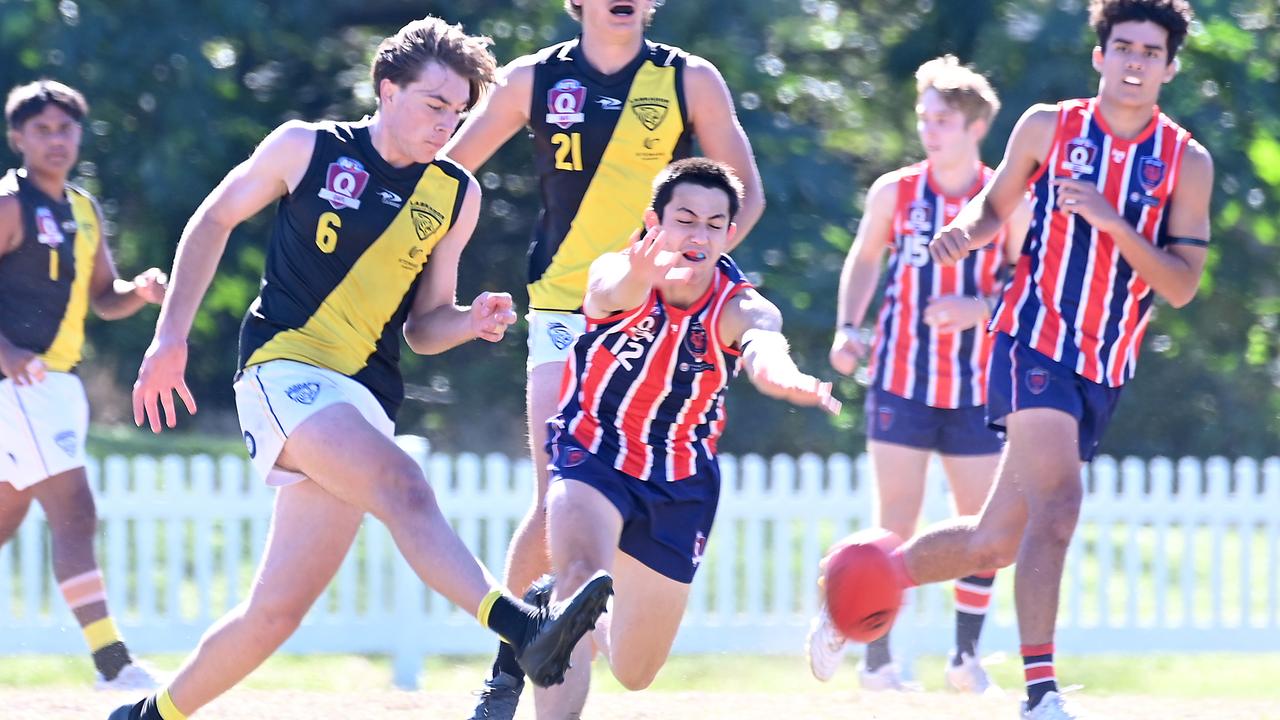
(287, 687)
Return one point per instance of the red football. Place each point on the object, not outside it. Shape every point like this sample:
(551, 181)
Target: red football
(863, 592)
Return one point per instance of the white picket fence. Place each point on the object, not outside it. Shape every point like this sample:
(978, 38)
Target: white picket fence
(1171, 556)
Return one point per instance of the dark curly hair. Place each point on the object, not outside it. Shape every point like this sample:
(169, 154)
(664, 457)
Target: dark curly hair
(1174, 16)
(697, 171)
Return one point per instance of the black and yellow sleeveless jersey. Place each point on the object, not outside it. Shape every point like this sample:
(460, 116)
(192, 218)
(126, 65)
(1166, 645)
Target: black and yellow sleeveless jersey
(599, 142)
(44, 283)
(345, 259)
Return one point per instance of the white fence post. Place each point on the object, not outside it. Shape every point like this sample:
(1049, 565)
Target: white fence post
(1170, 556)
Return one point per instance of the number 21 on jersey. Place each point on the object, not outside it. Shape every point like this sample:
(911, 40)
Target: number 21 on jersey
(568, 150)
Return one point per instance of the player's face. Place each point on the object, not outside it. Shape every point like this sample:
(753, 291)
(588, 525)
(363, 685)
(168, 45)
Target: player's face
(943, 131)
(49, 142)
(1134, 64)
(423, 114)
(697, 221)
(616, 16)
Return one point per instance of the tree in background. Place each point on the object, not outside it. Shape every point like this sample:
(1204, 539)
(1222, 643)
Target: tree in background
(180, 92)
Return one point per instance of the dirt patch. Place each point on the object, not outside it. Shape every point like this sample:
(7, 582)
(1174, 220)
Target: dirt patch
(58, 704)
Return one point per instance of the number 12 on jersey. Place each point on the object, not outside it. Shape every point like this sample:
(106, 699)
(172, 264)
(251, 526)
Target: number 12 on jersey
(568, 150)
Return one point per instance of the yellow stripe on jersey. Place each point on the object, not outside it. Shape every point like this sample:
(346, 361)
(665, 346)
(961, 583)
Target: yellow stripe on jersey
(344, 331)
(614, 203)
(65, 350)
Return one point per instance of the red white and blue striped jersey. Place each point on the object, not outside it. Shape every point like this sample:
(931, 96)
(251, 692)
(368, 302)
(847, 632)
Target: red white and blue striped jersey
(1073, 297)
(909, 358)
(643, 390)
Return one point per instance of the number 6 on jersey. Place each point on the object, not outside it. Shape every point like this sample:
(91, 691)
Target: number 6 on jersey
(327, 232)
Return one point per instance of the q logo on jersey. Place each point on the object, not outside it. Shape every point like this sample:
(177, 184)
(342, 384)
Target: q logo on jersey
(565, 101)
(47, 230)
(344, 183)
(1080, 154)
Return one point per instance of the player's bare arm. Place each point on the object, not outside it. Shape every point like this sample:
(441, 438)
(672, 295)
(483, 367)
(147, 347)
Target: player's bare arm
(112, 297)
(982, 217)
(957, 313)
(274, 169)
(21, 366)
(622, 281)
(500, 115)
(715, 124)
(436, 322)
(861, 274)
(754, 324)
(1173, 271)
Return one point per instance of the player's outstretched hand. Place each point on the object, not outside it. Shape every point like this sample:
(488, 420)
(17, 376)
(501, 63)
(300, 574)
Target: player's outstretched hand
(652, 256)
(162, 374)
(151, 284)
(949, 246)
(491, 315)
(797, 388)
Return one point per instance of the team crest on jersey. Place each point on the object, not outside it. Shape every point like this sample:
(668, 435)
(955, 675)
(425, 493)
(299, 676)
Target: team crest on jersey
(1037, 380)
(250, 444)
(67, 441)
(695, 341)
(565, 101)
(884, 417)
(651, 111)
(344, 183)
(1080, 154)
(304, 393)
(1150, 172)
(426, 220)
(47, 230)
(920, 217)
(699, 547)
(560, 334)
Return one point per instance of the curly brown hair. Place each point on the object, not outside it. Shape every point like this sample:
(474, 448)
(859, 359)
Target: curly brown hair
(1174, 16)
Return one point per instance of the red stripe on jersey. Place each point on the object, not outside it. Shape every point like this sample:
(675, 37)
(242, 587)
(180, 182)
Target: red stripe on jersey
(911, 359)
(1101, 270)
(694, 413)
(1089, 306)
(585, 428)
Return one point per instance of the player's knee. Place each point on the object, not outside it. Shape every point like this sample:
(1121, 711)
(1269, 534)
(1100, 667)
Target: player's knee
(999, 550)
(276, 617)
(636, 676)
(403, 491)
(996, 547)
(576, 572)
(1055, 517)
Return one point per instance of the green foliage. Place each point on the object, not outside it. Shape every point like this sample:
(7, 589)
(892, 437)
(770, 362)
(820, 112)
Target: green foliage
(181, 92)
